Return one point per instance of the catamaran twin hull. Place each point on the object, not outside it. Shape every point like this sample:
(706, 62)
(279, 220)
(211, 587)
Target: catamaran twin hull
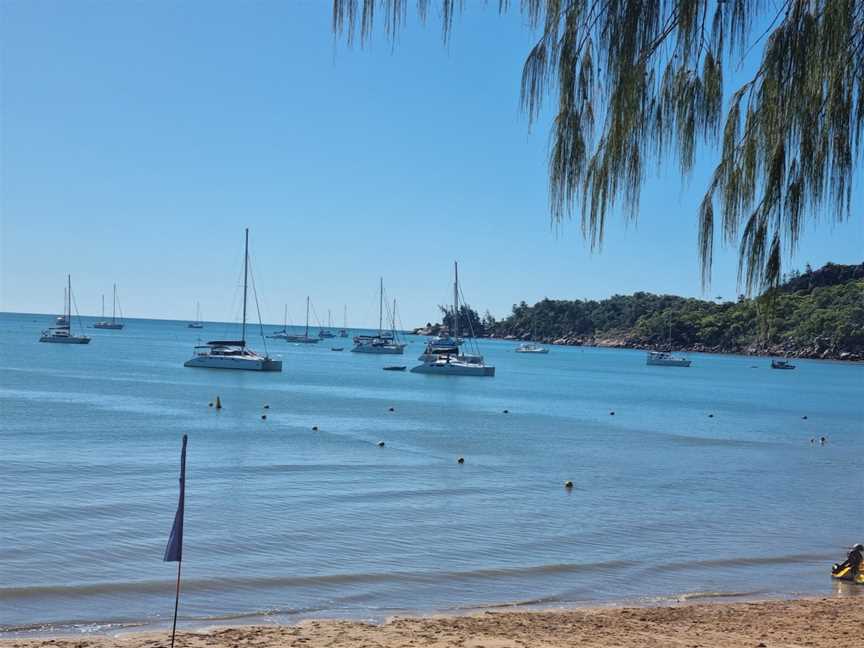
(454, 369)
(380, 349)
(232, 362)
(64, 339)
(108, 325)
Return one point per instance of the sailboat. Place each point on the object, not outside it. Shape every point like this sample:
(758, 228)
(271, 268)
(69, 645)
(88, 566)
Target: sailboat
(303, 339)
(62, 332)
(327, 333)
(234, 354)
(439, 359)
(281, 335)
(383, 343)
(343, 332)
(666, 358)
(111, 324)
(197, 324)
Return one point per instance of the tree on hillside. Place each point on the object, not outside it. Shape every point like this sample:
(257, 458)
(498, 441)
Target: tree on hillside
(635, 81)
(470, 324)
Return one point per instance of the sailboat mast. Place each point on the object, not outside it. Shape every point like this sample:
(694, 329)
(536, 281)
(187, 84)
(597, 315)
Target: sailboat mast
(456, 299)
(114, 305)
(345, 316)
(381, 306)
(307, 317)
(245, 285)
(285, 320)
(103, 306)
(69, 301)
(394, 318)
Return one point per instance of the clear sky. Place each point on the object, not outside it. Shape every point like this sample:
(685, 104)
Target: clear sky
(139, 139)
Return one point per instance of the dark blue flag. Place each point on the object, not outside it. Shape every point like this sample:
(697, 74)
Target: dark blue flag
(174, 550)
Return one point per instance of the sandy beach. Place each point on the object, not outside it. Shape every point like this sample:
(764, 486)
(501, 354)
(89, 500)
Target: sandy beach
(834, 622)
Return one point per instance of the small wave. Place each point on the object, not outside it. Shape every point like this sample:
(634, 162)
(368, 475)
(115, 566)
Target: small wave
(734, 562)
(698, 596)
(199, 585)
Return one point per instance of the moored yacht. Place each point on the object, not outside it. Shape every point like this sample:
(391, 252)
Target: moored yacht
(665, 359)
(301, 339)
(327, 333)
(234, 354)
(197, 324)
(782, 364)
(343, 332)
(443, 357)
(113, 324)
(383, 343)
(531, 347)
(62, 332)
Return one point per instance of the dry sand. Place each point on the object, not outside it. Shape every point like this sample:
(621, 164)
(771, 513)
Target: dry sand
(835, 622)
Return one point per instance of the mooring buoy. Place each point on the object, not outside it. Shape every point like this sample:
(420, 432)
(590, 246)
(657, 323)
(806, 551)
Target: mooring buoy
(218, 403)
(380, 444)
(460, 460)
(568, 484)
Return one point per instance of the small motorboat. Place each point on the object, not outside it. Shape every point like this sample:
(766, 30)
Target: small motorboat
(395, 368)
(781, 364)
(337, 348)
(531, 347)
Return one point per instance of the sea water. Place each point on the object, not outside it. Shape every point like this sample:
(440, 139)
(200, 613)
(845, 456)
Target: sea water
(705, 481)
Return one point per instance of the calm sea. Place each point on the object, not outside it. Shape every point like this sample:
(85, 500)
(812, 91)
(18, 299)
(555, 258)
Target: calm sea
(284, 523)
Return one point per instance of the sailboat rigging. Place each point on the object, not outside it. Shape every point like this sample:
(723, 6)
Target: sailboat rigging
(61, 333)
(234, 354)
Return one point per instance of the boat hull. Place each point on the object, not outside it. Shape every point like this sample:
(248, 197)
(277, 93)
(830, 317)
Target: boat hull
(65, 340)
(108, 325)
(676, 362)
(378, 350)
(454, 369)
(238, 364)
(533, 351)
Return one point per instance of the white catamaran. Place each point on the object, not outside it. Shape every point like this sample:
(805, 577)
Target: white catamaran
(234, 354)
(61, 333)
(383, 343)
(442, 356)
(112, 324)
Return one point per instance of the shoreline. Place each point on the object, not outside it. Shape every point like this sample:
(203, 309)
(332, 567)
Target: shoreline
(721, 623)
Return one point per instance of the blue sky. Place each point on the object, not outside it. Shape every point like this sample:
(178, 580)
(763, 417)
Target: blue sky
(139, 139)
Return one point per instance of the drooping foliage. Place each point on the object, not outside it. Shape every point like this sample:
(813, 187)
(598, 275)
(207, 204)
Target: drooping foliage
(635, 82)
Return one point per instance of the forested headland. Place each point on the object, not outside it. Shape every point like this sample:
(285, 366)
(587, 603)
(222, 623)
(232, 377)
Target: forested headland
(813, 314)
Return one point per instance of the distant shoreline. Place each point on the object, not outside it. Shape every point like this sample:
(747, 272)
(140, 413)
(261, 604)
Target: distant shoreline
(808, 621)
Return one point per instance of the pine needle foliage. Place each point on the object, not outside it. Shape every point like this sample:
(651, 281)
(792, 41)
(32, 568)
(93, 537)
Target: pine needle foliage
(638, 82)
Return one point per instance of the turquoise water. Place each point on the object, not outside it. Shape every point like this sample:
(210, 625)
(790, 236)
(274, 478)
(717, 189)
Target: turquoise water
(284, 523)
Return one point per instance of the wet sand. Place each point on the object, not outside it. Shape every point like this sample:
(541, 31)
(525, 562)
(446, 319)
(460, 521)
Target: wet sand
(834, 622)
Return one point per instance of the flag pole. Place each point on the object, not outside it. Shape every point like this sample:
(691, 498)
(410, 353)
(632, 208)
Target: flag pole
(174, 550)
(176, 604)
